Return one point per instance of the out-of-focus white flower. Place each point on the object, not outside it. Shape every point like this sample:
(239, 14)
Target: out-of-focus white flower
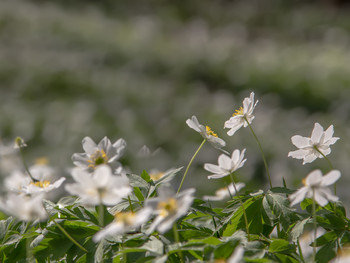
(310, 148)
(42, 171)
(124, 222)
(42, 186)
(343, 255)
(99, 187)
(16, 181)
(307, 238)
(25, 208)
(19, 143)
(316, 186)
(169, 208)
(242, 116)
(226, 165)
(225, 192)
(97, 154)
(206, 132)
(237, 255)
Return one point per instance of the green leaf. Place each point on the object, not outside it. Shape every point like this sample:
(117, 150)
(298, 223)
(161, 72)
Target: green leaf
(168, 176)
(138, 194)
(330, 221)
(281, 246)
(298, 229)
(224, 251)
(326, 253)
(145, 176)
(137, 181)
(326, 238)
(207, 241)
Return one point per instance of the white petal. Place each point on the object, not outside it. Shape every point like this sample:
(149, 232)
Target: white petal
(225, 162)
(193, 123)
(212, 168)
(314, 178)
(298, 154)
(328, 194)
(309, 158)
(102, 175)
(317, 133)
(89, 145)
(330, 178)
(216, 142)
(300, 141)
(217, 176)
(328, 133)
(235, 156)
(320, 199)
(298, 196)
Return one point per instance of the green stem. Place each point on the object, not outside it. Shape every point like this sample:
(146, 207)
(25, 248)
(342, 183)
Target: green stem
(101, 214)
(315, 225)
(189, 164)
(69, 236)
(241, 202)
(300, 251)
(29, 252)
(329, 163)
(25, 166)
(131, 208)
(177, 239)
(261, 151)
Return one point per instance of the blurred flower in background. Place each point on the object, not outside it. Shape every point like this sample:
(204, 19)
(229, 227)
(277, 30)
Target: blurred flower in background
(70, 70)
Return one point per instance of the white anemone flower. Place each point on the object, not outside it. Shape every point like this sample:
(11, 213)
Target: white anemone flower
(16, 181)
(44, 186)
(226, 165)
(242, 116)
(224, 192)
(206, 132)
(237, 255)
(99, 187)
(97, 154)
(316, 186)
(169, 208)
(24, 207)
(124, 222)
(343, 255)
(311, 148)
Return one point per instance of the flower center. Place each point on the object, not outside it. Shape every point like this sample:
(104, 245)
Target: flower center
(238, 112)
(41, 184)
(126, 218)
(210, 131)
(167, 207)
(41, 161)
(99, 157)
(304, 181)
(156, 176)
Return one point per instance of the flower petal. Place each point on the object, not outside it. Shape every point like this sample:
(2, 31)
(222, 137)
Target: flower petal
(89, 145)
(193, 123)
(300, 141)
(225, 162)
(320, 199)
(317, 133)
(298, 196)
(314, 178)
(330, 178)
(298, 154)
(212, 168)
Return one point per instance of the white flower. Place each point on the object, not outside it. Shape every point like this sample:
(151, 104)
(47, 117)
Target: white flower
(310, 148)
(225, 192)
(42, 186)
(308, 238)
(343, 255)
(242, 116)
(206, 132)
(99, 187)
(237, 255)
(226, 165)
(169, 208)
(24, 207)
(103, 153)
(316, 186)
(124, 222)
(16, 181)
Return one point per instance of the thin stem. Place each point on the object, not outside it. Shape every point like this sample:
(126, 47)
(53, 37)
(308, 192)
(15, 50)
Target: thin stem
(25, 166)
(315, 225)
(300, 251)
(241, 202)
(329, 163)
(131, 208)
(189, 164)
(29, 252)
(261, 151)
(177, 239)
(69, 236)
(101, 214)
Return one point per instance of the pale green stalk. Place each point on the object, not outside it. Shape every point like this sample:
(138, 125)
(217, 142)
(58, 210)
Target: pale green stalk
(189, 164)
(25, 165)
(261, 151)
(241, 202)
(177, 239)
(315, 225)
(330, 165)
(131, 208)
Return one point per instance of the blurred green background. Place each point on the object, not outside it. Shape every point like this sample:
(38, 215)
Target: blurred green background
(138, 69)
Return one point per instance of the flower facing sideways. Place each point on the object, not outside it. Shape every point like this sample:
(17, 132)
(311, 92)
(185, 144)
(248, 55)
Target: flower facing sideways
(124, 222)
(311, 148)
(169, 208)
(103, 153)
(242, 117)
(99, 187)
(226, 165)
(206, 132)
(225, 192)
(316, 187)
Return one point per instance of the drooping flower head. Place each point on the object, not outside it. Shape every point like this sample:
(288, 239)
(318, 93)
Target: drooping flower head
(242, 116)
(206, 132)
(224, 192)
(316, 186)
(103, 153)
(226, 165)
(311, 148)
(102, 186)
(169, 207)
(124, 222)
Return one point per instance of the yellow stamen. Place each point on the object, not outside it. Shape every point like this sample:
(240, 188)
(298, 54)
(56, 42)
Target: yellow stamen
(210, 131)
(99, 157)
(167, 207)
(126, 218)
(41, 184)
(238, 112)
(304, 181)
(156, 176)
(41, 161)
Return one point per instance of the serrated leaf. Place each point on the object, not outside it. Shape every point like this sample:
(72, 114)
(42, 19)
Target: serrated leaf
(326, 238)
(137, 181)
(168, 176)
(326, 253)
(298, 229)
(281, 246)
